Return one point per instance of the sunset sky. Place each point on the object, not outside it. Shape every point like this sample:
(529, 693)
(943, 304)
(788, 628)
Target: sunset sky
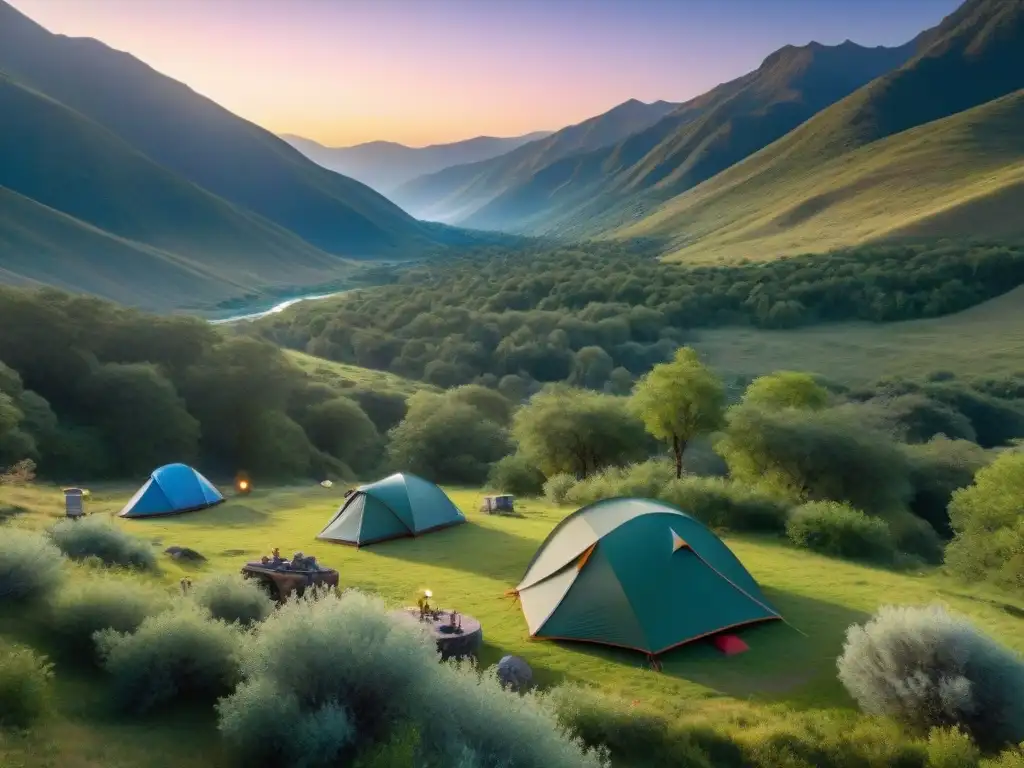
(428, 71)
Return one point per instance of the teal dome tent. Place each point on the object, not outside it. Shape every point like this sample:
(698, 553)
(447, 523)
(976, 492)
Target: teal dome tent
(398, 506)
(170, 490)
(638, 574)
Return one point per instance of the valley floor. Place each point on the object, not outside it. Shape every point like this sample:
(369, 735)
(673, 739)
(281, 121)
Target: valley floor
(987, 340)
(470, 567)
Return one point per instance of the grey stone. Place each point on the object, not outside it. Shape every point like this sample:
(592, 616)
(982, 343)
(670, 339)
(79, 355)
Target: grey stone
(184, 553)
(514, 673)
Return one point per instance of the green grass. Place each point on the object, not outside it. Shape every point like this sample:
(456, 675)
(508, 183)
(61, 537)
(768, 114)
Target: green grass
(345, 376)
(987, 340)
(962, 176)
(471, 567)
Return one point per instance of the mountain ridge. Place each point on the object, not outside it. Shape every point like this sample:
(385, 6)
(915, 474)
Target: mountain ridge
(385, 165)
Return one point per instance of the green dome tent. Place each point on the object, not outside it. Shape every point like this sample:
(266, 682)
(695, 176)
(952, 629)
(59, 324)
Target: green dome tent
(397, 506)
(639, 574)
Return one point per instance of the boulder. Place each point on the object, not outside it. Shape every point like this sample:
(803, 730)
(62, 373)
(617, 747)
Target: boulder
(184, 553)
(515, 674)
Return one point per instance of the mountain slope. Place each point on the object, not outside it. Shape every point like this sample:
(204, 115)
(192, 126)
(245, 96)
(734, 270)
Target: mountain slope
(81, 207)
(385, 165)
(453, 194)
(199, 140)
(698, 140)
(861, 149)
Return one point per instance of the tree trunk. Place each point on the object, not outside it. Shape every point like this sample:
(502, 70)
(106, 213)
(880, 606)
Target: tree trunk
(678, 446)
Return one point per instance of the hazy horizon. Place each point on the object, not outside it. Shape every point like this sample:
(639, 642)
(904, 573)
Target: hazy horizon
(421, 72)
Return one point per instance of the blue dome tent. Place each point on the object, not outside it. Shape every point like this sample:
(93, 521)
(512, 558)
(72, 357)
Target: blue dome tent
(170, 490)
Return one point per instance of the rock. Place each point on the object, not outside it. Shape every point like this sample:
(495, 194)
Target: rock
(514, 673)
(184, 553)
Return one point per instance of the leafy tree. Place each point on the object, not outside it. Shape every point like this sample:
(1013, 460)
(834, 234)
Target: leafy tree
(571, 430)
(492, 405)
(816, 456)
(591, 368)
(988, 524)
(938, 468)
(445, 440)
(678, 401)
(385, 409)
(141, 416)
(339, 427)
(786, 389)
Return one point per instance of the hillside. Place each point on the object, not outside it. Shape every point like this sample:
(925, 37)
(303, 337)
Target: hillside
(82, 210)
(859, 160)
(204, 143)
(453, 194)
(987, 340)
(385, 165)
(698, 140)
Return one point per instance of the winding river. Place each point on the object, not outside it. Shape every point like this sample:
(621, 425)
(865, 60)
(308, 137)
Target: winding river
(274, 309)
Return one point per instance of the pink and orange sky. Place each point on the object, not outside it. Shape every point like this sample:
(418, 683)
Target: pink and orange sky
(428, 71)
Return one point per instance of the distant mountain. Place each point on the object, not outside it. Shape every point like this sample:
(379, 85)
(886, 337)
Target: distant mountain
(455, 193)
(81, 209)
(857, 171)
(197, 139)
(694, 142)
(385, 165)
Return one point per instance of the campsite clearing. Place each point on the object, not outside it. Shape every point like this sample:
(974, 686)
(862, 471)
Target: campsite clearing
(470, 567)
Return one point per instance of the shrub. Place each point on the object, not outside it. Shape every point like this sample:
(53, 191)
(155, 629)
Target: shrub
(557, 487)
(516, 475)
(721, 503)
(839, 530)
(937, 469)
(24, 686)
(951, 748)
(989, 541)
(913, 536)
(80, 611)
(178, 653)
(828, 455)
(646, 480)
(31, 567)
(365, 678)
(926, 668)
(231, 598)
(96, 537)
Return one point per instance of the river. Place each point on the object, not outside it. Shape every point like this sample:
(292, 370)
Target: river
(274, 309)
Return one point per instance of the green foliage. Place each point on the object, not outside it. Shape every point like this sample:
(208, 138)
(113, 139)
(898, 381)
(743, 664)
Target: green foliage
(340, 428)
(31, 567)
(181, 653)
(78, 612)
(989, 528)
(366, 680)
(105, 391)
(839, 530)
(927, 668)
(938, 468)
(577, 431)
(727, 504)
(96, 537)
(557, 487)
(385, 409)
(917, 418)
(916, 537)
(24, 686)
(816, 456)
(516, 475)
(951, 748)
(678, 401)
(230, 598)
(477, 314)
(141, 416)
(786, 389)
(645, 480)
(490, 403)
(446, 440)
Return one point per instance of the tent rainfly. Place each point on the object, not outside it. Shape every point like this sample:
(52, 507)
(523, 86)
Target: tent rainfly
(400, 505)
(638, 574)
(170, 490)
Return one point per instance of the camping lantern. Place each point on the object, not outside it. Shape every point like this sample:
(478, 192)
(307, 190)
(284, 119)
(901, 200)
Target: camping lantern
(242, 484)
